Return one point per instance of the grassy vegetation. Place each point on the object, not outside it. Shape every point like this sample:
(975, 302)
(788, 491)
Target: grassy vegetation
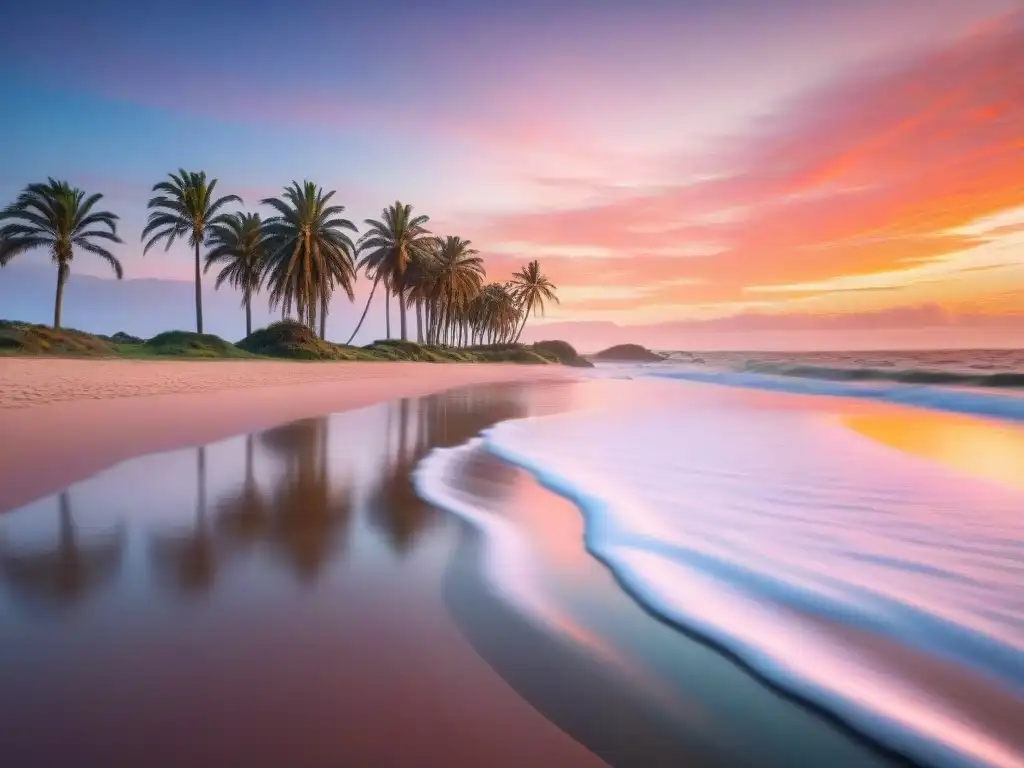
(285, 340)
(27, 339)
(184, 344)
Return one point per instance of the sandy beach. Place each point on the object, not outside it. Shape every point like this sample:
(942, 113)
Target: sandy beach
(285, 596)
(63, 420)
(389, 680)
(242, 557)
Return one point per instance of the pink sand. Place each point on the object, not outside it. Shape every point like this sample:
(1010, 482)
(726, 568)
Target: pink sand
(64, 420)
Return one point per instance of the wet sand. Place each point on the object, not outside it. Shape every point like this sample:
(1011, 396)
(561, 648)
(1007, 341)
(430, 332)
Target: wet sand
(63, 420)
(284, 597)
(275, 599)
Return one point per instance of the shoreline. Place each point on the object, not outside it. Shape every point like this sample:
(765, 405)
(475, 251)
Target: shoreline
(65, 420)
(302, 546)
(649, 674)
(968, 697)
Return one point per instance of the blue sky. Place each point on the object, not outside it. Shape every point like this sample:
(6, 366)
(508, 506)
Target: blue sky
(572, 132)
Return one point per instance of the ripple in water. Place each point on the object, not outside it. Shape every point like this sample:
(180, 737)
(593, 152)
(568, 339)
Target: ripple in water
(882, 587)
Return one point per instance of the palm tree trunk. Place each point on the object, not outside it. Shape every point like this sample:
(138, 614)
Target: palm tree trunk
(419, 321)
(248, 315)
(62, 276)
(365, 310)
(199, 294)
(323, 317)
(401, 311)
(387, 312)
(526, 315)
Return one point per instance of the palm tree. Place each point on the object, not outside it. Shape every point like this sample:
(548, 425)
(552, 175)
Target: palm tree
(531, 288)
(238, 241)
(456, 281)
(184, 206)
(400, 237)
(495, 313)
(366, 309)
(60, 218)
(308, 254)
(421, 284)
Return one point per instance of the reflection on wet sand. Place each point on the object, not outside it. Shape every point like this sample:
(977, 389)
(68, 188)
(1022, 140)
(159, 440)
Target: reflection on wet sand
(189, 561)
(243, 513)
(67, 571)
(395, 509)
(302, 518)
(309, 514)
(361, 665)
(414, 430)
(299, 509)
(320, 627)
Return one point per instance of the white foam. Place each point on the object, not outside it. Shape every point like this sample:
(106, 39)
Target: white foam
(757, 528)
(1003, 405)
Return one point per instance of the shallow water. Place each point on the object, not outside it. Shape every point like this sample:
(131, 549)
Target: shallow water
(674, 701)
(268, 599)
(286, 598)
(846, 557)
(967, 362)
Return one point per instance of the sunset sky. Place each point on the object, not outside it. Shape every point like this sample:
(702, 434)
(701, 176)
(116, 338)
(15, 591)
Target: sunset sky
(721, 169)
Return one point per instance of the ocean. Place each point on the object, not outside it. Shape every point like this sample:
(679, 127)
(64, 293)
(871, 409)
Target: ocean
(860, 554)
(974, 367)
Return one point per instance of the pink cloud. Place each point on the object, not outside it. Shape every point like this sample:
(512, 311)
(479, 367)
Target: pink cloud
(865, 175)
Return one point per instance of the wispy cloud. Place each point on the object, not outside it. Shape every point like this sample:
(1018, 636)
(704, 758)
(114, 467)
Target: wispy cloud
(881, 172)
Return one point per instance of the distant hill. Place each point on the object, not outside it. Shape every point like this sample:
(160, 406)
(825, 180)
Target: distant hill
(627, 353)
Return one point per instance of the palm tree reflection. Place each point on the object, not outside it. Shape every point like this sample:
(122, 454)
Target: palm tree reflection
(308, 519)
(189, 561)
(243, 516)
(419, 426)
(69, 571)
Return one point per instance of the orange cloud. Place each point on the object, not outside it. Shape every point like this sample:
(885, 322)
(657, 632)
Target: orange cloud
(866, 176)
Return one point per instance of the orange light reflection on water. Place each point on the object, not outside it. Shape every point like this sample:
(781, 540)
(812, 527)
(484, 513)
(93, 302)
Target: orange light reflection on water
(976, 446)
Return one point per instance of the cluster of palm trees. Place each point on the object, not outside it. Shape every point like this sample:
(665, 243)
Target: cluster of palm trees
(302, 255)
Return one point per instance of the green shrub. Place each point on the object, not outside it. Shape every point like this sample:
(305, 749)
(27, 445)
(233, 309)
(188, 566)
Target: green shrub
(189, 344)
(290, 340)
(30, 339)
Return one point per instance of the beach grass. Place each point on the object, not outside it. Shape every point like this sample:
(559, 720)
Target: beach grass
(285, 340)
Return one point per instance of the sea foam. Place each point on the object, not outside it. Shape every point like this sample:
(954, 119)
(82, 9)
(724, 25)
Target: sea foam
(965, 400)
(787, 539)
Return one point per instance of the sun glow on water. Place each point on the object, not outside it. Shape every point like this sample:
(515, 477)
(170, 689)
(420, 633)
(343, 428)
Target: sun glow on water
(979, 447)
